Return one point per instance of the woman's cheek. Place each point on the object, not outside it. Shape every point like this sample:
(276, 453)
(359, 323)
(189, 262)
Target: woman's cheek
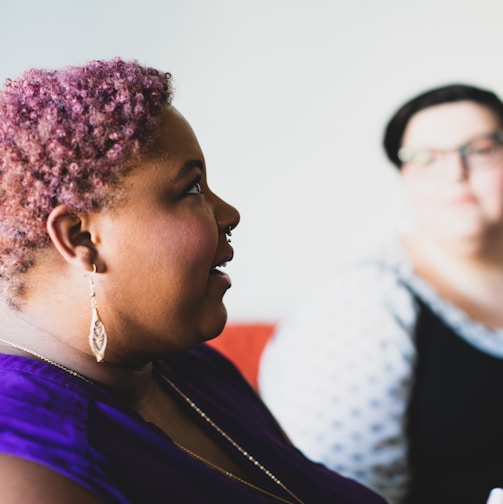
(198, 243)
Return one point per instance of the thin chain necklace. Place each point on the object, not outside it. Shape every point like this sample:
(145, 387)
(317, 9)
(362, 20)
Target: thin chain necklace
(231, 475)
(45, 359)
(241, 450)
(201, 413)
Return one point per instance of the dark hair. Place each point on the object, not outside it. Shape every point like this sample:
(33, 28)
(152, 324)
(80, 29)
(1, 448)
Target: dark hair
(65, 138)
(446, 94)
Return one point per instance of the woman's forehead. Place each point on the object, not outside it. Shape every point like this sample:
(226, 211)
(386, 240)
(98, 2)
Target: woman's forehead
(449, 124)
(174, 136)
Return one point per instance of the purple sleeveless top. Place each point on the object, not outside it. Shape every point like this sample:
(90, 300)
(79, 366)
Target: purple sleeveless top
(79, 430)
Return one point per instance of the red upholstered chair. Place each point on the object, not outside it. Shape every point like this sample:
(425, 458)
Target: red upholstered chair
(243, 343)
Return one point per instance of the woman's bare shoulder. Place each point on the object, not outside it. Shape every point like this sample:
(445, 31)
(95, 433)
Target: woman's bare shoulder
(31, 483)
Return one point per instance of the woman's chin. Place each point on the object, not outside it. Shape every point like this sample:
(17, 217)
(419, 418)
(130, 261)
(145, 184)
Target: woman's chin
(215, 326)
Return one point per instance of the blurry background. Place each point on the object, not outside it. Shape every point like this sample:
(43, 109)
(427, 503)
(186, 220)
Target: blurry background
(288, 99)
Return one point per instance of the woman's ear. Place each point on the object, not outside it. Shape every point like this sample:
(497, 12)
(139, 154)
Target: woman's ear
(69, 237)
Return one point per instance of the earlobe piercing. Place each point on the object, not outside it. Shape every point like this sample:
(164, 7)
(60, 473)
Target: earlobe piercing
(228, 232)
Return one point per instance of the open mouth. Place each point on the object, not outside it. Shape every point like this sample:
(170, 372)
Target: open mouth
(216, 272)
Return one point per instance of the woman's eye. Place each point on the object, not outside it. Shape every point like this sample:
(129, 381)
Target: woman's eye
(482, 148)
(195, 188)
(424, 157)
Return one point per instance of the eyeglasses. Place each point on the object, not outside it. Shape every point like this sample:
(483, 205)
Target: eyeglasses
(481, 152)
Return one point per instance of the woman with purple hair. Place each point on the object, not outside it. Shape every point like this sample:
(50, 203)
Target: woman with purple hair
(111, 254)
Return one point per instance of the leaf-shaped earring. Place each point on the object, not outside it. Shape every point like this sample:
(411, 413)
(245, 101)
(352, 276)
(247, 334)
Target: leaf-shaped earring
(97, 334)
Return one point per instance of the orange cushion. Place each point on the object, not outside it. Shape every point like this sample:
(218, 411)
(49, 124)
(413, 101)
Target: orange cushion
(243, 344)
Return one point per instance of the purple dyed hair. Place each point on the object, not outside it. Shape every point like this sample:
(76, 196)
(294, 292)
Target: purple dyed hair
(66, 137)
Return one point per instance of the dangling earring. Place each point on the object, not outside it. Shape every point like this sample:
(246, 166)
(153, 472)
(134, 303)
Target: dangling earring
(97, 334)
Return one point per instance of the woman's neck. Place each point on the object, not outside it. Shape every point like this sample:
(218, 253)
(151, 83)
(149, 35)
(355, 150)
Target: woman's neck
(469, 275)
(25, 335)
(464, 253)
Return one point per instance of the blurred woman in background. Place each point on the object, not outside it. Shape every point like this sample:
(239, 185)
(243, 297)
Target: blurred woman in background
(391, 373)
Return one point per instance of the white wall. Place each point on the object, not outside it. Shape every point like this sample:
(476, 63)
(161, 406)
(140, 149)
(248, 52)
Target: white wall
(288, 99)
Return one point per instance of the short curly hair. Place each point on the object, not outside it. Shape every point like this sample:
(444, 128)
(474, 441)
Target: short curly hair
(66, 137)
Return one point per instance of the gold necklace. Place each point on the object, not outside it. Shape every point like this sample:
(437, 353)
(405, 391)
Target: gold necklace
(45, 359)
(230, 474)
(202, 414)
(241, 450)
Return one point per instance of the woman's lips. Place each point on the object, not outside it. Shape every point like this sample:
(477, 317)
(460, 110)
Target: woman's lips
(220, 276)
(462, 199)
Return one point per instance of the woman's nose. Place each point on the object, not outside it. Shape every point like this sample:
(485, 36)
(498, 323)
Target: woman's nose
(456, 166)
(228, 217)
(234, 217)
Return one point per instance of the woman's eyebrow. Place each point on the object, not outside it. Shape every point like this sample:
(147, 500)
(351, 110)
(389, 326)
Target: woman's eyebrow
(187, 167)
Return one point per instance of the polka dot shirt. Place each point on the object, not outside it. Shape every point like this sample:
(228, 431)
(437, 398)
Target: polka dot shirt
(338, 373)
